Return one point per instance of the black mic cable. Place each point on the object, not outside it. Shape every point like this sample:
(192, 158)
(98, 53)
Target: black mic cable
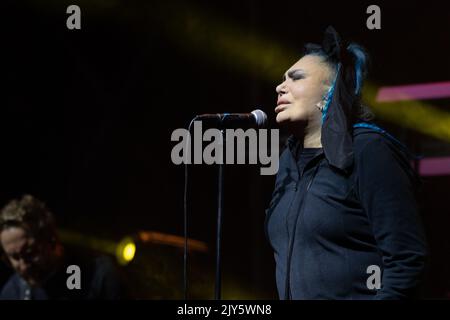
(185, 255)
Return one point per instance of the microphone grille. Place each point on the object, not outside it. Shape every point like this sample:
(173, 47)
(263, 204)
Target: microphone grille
(260, 117)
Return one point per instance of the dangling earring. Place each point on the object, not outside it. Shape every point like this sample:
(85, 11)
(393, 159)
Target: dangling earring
(320, 105)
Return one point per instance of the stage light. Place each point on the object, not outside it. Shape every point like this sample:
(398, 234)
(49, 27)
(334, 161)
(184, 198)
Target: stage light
(419, 91)
(126, 251)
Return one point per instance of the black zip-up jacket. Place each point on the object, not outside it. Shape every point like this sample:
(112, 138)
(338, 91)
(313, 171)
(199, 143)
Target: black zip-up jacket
(330, 230)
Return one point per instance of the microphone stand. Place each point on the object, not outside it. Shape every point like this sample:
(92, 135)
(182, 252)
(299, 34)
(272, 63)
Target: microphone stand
(257, 117)
(219, 224)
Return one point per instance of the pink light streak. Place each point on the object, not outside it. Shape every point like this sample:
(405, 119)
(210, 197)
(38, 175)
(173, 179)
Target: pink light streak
(438, 166)
(424, 91)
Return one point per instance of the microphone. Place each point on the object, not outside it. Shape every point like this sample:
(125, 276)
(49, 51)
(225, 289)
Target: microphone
(256, 118)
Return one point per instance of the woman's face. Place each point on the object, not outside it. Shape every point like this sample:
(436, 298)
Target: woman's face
(303, 87)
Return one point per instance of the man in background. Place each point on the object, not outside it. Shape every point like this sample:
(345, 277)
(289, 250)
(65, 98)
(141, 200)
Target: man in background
(40, 263)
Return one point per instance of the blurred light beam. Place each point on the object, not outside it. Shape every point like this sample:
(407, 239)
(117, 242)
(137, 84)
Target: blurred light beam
(423, 91)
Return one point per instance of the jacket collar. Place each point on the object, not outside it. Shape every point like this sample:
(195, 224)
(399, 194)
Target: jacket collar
(293, 145)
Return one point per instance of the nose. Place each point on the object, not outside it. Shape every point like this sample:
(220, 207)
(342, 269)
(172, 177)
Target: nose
(281, 89)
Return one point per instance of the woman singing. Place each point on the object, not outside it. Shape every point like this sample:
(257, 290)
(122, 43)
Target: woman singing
(343, 221)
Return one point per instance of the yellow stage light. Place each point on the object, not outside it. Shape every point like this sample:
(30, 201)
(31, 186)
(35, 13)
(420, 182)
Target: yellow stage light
(126, 251)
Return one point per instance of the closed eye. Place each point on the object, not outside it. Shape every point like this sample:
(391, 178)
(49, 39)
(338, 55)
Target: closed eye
(297, 77)
(296, 74)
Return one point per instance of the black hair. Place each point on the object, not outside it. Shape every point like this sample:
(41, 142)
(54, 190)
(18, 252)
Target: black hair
(359, 66)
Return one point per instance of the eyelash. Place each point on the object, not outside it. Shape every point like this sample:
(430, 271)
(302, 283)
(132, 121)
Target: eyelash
(294, 77)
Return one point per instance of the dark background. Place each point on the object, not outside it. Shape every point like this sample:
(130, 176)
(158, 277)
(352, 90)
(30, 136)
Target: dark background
(87, 116)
